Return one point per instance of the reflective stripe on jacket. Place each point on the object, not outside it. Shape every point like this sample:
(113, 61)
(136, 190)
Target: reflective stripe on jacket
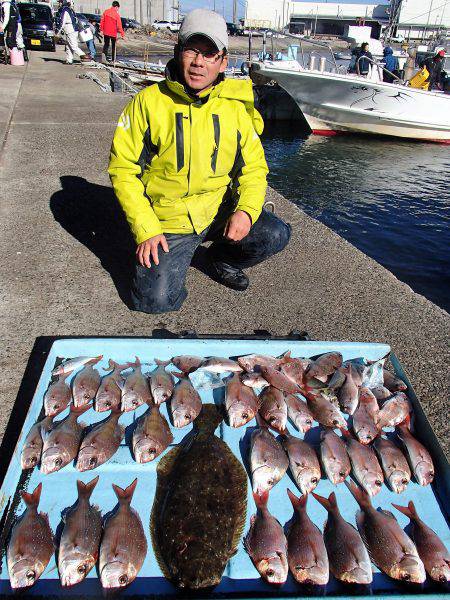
(111, 23)
(173, 157)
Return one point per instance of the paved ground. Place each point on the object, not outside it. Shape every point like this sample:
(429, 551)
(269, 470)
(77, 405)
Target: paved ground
(65, 252)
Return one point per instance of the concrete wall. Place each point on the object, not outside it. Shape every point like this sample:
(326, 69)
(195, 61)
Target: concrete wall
(422, 18)
(144, 11)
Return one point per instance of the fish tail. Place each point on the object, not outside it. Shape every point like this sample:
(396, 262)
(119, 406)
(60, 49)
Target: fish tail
(286, 356)
(95, 360)
(32, 500)
(299, 503)
(330, 503)
(85, 489)
(346, 433)
(208, 419)
(360, 495)
(125, 496)
(162, 363)
(261, 499)
(180, 375)
(113, 366)
(410, 510)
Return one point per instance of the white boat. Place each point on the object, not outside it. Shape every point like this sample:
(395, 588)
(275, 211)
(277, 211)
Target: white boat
(334, 103)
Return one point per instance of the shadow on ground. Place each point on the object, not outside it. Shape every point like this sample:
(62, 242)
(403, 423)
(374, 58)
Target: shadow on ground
(92, 215)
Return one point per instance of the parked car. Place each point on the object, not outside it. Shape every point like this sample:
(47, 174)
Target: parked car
(37, 25)
(234, 29)
(91, 17)
(170, 25)
(82, 20)
(129, 23)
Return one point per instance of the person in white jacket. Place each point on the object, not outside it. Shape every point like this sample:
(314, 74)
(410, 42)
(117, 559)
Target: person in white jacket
(66, 23)
(10, 24)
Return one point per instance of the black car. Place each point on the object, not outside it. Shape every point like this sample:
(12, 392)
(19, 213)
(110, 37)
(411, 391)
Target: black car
(91, 17)
(37, 25)
(234, 29)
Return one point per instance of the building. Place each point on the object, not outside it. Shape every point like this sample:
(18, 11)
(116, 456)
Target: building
(316, 18)
(420, 19)
(144, 11)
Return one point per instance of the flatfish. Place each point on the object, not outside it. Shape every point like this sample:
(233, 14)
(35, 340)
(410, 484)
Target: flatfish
(192, 547)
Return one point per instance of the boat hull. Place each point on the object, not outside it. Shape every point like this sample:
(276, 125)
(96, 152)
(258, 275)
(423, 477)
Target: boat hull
(334, 103)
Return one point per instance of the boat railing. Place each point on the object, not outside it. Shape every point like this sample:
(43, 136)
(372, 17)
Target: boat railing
(379, 66)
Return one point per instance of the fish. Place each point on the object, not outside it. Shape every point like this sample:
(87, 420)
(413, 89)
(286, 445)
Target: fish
(393, 383)
(123, 547)
(57, 397)
(109, 393)
(254, 380)
(337, 380)
(307, 555)
(279, 380)
(253, 362)
(161, 382)
(418, 456)
(186, 363)
(85, 385)
(432, 551)
(72, 364)
(324, 410)
(186, 404)
(151, 436)
(299, 413)
(193, 547)
(380, 392)
(334, 457)
(136, 390)
(80, 539)
(217, 364)
(347, 555)
(348, 394)
(394, 464)
(268, 460)
(390, 549)
(62, 442)
(366, 417)
(394, 411)
(101, 442)
(295, 368)
(365, 466)
(303, 462)
(266, 543)
(273, 408)
(32, 446)
(31, 544)
(324, 366)
(241, 402)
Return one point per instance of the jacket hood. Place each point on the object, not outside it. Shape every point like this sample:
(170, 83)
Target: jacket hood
(388, 50)
(232, 89)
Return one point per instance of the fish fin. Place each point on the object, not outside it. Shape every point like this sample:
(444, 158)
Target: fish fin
(410, 510)
(79, 410)
(32, 500)
(208, 419)
(360, 495)
(95, 360)
(330, 503)
(167, 462)
(180, 375)
(261, 499)
(85, 489)
(386, 513)
(125, 496)
(161, 363)
(122, 431)
(299, 503)
(285, 356)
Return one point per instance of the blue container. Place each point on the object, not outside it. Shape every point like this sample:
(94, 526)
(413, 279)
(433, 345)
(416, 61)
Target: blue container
(240, 577)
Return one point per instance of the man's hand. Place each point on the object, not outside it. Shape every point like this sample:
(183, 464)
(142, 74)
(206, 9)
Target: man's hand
(148, 250)
(238, 226)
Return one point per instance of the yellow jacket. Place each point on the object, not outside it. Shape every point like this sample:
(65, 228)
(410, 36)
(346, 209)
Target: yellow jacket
(173, 157)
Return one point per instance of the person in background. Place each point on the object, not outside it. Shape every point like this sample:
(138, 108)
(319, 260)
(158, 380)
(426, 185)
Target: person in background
(10, 24)
(187, 166)
(433, 65)
(391, 64)
(97, 33)
(362, 65)
(66, 22)
(87, 36)
(111, 25)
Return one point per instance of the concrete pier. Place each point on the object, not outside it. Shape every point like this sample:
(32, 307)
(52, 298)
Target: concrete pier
(66, 254)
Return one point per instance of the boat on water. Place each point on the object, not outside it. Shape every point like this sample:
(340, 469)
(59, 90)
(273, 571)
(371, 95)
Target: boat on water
(335, 103)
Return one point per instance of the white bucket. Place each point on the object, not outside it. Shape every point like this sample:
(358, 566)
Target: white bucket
(16, 57)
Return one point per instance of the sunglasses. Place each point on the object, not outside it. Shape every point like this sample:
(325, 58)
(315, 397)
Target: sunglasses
(209, 56)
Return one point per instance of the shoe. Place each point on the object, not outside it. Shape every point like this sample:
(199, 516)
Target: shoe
(85, 58)
(68, 63)
(229, 276)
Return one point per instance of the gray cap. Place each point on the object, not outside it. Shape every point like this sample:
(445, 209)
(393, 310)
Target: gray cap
(204, 22)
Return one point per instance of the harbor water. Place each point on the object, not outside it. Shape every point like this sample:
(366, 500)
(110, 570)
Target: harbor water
(390, 199)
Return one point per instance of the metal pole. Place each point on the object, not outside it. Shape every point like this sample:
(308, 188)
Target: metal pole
(235, 11)
(315, 23)
(428, 20)
(250, 45)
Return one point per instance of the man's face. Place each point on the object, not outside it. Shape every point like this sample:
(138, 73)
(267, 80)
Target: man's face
(200, 71)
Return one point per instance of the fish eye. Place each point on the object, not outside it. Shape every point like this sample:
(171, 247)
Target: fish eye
(378, 483)
(55, 406)
(81, 569)
(314, 480)
(335, 422)
(58, 461)
(270, 572)
(86, 396)
(93, 461)
(107, 404)
(33, 460)
(187, 416)
(308, 422)
(405, 481)
(406, 576)
(134, 402)
(342, 473)
(152, 451)
(245, 415)
(31, 575)
(123, 579)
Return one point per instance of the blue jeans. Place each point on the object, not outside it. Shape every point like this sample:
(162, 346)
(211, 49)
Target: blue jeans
(91, 47)
(162, 287)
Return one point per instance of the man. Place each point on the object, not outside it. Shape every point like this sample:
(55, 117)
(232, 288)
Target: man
(10, 24)
(66, 22)
(433, 65)
(187, 166)
(110, 25)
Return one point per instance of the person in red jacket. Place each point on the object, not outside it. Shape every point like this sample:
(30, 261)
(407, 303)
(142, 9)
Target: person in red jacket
(110, 26)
